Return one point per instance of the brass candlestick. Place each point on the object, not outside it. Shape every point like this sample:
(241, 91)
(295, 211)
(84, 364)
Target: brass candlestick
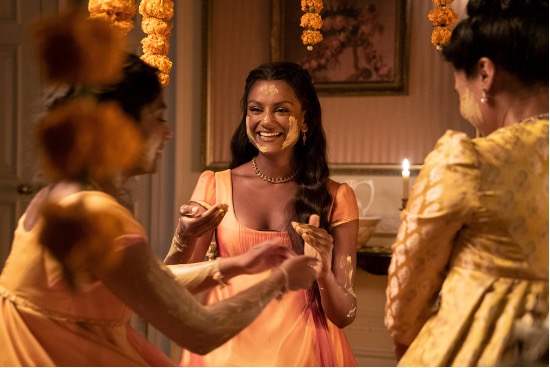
(403, 203)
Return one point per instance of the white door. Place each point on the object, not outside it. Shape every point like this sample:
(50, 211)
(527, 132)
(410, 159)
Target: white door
(20, 96)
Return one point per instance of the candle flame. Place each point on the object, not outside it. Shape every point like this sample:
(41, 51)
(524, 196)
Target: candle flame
(406, 165)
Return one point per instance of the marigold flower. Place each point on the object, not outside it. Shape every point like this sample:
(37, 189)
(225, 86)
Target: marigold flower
(312, 6)
(442, 2)
(151, 25)
(119, 13)
(161, 9)
(161, 62)
(442, 16)
(441, 36)
(155, 44)
(71, 47)
(78, 235)
(311, 37)
(82, 139)
(311, 21)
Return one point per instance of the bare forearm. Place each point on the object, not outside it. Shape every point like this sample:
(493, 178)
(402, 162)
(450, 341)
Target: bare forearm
(197, 277)
(181, 249)
(152, 292)
(339, 302)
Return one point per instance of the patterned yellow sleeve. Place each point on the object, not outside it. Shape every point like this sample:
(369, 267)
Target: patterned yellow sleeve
(444, 195)
(344, 206)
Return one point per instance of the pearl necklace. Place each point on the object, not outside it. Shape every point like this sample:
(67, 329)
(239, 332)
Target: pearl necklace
(269, 179)
(535, 117)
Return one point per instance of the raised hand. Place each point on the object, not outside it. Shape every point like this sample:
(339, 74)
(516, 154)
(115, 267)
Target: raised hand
(193, 223)
(300, 272)
(318, 243)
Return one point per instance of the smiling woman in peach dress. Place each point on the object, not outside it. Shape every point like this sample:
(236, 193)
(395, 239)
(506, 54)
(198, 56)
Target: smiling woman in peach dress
(278, 188)
(468, 280)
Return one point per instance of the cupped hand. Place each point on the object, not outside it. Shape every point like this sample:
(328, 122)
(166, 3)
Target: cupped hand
(318, 243)
(301, 271)
(194, 223)
(264, 256)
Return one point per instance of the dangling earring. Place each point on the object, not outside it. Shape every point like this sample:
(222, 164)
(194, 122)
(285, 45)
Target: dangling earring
(484, 99)
(304, 138)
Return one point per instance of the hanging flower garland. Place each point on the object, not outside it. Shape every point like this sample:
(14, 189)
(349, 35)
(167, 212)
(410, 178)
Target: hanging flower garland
(312, 22)
(442, 17)
(119, 13)
(156, 24)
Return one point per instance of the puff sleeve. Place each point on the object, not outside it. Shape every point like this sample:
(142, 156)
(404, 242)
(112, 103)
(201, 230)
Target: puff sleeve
(443, 197)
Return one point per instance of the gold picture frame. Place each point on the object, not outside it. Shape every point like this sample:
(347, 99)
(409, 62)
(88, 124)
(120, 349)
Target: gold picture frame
(364, 48)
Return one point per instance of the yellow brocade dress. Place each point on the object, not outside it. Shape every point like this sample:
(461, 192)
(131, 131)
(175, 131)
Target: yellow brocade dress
(284, 334)
(43, 323)
(468, 280)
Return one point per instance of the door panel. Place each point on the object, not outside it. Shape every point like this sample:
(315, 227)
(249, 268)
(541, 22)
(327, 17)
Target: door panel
(20, 93)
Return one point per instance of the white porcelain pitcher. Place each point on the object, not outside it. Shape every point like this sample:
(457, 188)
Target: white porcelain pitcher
(364, 193)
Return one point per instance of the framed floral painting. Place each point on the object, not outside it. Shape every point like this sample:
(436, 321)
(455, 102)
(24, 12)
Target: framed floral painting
(364, 48)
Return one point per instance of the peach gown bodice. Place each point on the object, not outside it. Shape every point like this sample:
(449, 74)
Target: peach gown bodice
(468, 280)
(44, 323)
(284, 334)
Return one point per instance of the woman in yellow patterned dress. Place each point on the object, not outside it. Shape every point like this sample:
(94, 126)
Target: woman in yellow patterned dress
(468, 280)
(277, 181)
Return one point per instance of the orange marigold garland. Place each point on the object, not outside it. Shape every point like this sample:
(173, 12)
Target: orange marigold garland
(442, 18)
(156, 24)
(312, 22)
(119, 13)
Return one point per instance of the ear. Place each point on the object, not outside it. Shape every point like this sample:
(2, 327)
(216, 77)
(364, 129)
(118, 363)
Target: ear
(486, 72)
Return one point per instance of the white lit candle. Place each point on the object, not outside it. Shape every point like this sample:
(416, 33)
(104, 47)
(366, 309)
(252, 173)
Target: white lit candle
(406, 173)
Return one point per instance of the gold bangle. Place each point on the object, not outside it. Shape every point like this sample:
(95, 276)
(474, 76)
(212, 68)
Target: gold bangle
(286, 286)
(177, 243)
(219, 277)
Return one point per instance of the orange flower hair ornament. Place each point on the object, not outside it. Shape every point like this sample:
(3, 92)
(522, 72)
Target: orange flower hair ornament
(71, 46)
(442, 17)
(79, 138)
(79, 235)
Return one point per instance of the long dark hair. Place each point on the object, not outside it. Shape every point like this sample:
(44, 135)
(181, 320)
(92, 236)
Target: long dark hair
(512, 33)
(310, 159)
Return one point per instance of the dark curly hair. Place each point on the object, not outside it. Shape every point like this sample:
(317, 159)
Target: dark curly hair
(310, 159)
(512, 33)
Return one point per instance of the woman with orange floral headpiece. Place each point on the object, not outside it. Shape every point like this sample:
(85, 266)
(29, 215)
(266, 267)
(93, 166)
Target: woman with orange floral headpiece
(80, 264)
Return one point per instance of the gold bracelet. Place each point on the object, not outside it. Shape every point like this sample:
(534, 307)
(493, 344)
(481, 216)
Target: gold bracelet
(286, 286)
(219, 277)
(177, 243)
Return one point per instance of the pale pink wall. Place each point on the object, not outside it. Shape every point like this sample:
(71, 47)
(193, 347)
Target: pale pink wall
(360, 129)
